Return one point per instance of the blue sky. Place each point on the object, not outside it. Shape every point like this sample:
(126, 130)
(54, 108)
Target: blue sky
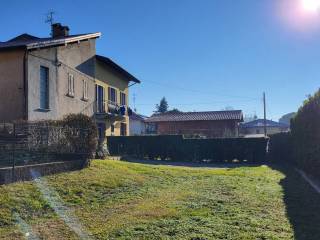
(200, 54)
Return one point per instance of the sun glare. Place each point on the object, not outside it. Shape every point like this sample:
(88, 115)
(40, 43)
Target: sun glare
(311, 5)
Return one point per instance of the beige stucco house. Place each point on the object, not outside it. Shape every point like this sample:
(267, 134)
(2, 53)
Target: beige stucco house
(47, 78)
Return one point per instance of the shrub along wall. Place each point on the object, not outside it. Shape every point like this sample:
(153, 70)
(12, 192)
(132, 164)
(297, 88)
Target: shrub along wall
(72, 138)
(301, 147)
(305, 128)
(280, 148)
(177, 148)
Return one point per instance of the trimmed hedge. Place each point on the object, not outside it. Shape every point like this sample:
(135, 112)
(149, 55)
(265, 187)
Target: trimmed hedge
(280, 148)
(301, 147)
(177, 148)
(305, 128)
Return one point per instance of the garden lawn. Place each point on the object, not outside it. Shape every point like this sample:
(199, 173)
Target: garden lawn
(121, 200)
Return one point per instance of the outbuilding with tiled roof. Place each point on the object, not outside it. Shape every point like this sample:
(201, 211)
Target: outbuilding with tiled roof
(205, 124)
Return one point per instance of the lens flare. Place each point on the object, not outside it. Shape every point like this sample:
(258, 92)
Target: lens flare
(311, 5)
(300, 15)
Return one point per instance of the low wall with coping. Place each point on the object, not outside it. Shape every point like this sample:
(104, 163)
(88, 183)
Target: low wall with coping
(29, 172)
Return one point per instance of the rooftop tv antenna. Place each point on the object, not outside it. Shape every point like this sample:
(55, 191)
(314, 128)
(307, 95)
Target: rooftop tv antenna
(49, 19)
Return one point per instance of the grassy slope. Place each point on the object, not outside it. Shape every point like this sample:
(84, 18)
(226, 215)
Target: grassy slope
(118, 200)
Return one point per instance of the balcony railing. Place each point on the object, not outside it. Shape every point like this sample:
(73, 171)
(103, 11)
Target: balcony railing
(111, 108)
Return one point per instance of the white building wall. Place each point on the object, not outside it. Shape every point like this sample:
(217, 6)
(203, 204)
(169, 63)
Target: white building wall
(137, 127)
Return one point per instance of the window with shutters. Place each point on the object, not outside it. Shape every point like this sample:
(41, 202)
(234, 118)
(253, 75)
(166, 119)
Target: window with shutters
(112, 95)
(44, 87)
(123, 99)
(70, 85)
(100, 100)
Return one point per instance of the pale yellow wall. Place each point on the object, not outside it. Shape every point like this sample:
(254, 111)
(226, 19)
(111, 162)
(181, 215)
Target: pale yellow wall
(12, 101)
(117, 126)
(110, 77)
(107, 77)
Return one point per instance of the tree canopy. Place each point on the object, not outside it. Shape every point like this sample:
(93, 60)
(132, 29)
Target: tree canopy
(163, 106)
(174, 110)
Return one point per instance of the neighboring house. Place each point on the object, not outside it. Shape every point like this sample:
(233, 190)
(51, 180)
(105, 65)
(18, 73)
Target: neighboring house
(287, 118)
(256, 127)
(137, 124)
(47, 78)
(206, 124)
(112, 97)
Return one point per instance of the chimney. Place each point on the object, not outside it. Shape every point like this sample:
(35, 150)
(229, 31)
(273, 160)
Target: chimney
(59, 31)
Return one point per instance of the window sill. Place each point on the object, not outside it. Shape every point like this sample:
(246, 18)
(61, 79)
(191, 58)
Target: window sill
(69, 95)
(85, 99)
(42, 110)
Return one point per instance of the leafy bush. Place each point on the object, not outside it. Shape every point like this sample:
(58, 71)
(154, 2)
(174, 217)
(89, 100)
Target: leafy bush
(175, 147)
(86, 139)
(305, 128)
(72, 138)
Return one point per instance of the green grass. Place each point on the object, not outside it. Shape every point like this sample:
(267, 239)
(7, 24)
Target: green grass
(119, 200)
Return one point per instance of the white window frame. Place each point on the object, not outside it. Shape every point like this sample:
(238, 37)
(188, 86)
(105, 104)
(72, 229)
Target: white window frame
(85, 89)
(70, 85)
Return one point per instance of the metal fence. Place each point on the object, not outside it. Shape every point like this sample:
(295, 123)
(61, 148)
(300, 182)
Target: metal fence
(179, 148)
(35, 143)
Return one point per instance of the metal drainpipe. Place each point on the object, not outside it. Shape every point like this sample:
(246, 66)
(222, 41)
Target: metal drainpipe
(25, 83)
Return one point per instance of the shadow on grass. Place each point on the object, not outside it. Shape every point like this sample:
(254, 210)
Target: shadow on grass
(302, 204)
(191, 164)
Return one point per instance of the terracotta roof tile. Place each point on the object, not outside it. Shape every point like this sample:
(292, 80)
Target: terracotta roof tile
(197, 116)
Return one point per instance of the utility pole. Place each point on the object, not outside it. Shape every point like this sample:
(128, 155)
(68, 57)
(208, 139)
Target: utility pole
(264, 114)
(134, 102)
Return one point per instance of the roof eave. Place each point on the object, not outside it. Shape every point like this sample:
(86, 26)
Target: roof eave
(190, 120)
(118, 68)
(57, 42)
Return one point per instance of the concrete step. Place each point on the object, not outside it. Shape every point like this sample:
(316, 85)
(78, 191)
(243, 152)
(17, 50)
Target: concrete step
(114, 158)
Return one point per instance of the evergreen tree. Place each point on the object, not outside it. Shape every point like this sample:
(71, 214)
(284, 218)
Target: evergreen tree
(174, 110)
(163, 106)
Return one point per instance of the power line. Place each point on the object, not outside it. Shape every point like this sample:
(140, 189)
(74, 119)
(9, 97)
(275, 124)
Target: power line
(200, 103)
(171, 86)
(134, 102)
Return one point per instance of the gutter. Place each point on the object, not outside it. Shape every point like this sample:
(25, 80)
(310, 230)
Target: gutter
(64, 41)
(132, 84)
